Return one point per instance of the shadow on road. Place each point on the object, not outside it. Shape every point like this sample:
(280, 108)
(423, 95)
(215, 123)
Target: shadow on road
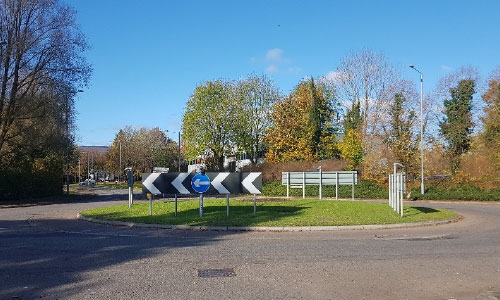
(37, 261)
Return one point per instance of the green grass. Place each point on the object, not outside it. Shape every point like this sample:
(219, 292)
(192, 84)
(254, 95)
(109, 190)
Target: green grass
(269, 213)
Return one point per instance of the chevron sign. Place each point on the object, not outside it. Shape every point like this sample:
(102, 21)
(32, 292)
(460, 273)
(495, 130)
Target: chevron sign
(220, 183)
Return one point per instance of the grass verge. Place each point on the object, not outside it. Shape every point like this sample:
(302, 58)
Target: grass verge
(306, 212)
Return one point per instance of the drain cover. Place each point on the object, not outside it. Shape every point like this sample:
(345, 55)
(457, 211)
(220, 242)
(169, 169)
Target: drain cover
(228, 272)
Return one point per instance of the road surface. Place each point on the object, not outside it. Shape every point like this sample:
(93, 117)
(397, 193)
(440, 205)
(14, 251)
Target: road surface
(45, 252)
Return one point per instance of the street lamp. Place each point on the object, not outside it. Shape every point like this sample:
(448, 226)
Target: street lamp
(179, 148)
(421, 127)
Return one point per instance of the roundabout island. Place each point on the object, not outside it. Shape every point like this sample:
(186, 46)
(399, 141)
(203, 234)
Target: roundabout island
(271, 214)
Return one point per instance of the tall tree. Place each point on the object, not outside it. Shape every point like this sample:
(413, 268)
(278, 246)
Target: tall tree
(41, 68)
(457, 124)
(365, 79)
(208, 123)
(491, 120)
(303, 130)
(41, 47)
(353, 118)
(255, 97)
(401, 139)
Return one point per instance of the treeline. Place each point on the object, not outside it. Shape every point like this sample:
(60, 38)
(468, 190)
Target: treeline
(41, 69)
(140, 149)
(365, 113)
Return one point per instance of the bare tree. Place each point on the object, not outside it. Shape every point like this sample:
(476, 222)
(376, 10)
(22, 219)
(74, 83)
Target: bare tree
(367, 78)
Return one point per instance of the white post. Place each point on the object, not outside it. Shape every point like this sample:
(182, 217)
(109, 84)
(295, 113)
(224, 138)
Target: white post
(287, 185)
(397, 192)
(402, 193)
(320, 183)
(130, 197)
(303, 185)
(227, 205)
(336, 185)
(353, 180)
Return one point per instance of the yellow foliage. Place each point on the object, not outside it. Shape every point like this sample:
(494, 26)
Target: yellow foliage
(351, 149)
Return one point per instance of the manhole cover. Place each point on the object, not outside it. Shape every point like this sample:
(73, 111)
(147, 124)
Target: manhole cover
(228, 272)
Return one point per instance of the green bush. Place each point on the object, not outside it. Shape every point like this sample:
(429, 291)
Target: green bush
(450, 191)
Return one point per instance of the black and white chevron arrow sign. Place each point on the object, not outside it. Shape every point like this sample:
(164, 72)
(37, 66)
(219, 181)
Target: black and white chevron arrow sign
(220, 183)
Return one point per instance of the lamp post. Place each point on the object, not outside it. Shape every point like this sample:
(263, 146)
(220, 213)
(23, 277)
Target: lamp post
(120, 172)
(178, 148)
(422, 190)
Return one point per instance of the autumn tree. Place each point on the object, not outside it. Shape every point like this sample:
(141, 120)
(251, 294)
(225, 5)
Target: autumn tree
(351, 149)
(457, 125)
(303, 125)
(142, 150)
(209, 122)
(491, 120)
(254, 99)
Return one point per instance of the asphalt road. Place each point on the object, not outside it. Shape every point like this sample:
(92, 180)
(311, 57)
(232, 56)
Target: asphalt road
(45, 252)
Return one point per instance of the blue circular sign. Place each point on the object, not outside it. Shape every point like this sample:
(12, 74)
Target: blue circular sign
(200, 183)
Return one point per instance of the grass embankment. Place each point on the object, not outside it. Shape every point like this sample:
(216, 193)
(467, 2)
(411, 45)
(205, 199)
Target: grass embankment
(306, 212)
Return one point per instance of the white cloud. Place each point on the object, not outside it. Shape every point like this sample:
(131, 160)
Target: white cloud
(333, 76)
(272, 69)
(274, 55)
(446, 68)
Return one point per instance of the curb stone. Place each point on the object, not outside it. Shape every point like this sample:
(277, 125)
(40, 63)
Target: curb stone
(271, 229)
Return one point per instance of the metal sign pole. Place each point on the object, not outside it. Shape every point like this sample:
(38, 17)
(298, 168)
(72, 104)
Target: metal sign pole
(175, 210)
(151, 204)
(287, 185)
(320, 183)
(353, 180)
(303, 185)
(129, 197)
(201, 205)
(254, 205)
(227, 205)
(336, 185)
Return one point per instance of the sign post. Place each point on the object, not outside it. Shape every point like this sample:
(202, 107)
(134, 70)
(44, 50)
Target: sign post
(175, 213)
(130, 183)
(200, 183)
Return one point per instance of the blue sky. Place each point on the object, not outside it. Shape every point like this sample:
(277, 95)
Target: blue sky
(148, 56)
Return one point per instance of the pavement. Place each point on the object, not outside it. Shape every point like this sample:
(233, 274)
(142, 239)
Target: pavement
(47, 253)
